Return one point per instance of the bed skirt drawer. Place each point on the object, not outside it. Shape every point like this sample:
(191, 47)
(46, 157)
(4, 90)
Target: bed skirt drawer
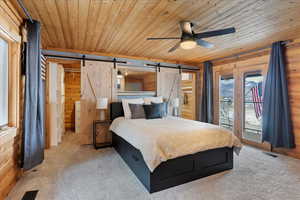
(174, 167)
(211, 158)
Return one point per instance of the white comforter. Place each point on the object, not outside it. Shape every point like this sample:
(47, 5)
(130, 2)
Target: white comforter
(161, 139)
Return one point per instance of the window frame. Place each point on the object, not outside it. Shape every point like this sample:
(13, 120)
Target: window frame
(245, 75)
(217, 74)
(226, 76)
(14, 80)
(8, 81)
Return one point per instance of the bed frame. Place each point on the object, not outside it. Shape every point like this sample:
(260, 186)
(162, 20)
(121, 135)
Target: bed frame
(172, 172)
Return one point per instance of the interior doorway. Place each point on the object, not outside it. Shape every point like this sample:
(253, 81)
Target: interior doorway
(63, 89)
(188, 95)
(72, 96)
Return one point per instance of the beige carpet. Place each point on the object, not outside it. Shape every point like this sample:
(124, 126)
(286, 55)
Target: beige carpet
(73, 172)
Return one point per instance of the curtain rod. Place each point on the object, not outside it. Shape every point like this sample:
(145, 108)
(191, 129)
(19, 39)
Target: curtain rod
(178, 67)
(21, 4)
(84, 58)
(250, 51)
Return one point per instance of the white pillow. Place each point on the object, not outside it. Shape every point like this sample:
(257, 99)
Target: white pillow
(148, 100)
(125, 104)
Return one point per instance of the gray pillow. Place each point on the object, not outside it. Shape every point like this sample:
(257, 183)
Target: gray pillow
(137, 111)
(153, 111)
(164, 108)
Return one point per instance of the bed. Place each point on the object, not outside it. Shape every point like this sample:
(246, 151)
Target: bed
(156, 176)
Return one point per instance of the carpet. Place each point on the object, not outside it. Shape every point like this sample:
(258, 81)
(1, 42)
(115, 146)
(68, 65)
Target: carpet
(74, 172)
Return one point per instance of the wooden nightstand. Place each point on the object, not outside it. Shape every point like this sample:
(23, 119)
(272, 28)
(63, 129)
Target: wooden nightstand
(101, 134)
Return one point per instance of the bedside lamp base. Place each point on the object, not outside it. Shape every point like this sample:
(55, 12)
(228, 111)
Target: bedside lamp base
(102, 115)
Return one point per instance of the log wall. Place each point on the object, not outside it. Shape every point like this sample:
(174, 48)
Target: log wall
(72, 94)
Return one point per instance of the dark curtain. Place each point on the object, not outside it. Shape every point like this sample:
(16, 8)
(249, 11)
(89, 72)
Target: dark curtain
(277, 125)
(206, 112)
(33, 135)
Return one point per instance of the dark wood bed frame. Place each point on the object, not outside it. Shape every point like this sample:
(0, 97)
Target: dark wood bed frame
(172, 172)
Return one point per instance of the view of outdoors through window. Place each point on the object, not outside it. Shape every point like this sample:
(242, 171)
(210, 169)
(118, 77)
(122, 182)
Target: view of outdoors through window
(226, 111)
(253, 100)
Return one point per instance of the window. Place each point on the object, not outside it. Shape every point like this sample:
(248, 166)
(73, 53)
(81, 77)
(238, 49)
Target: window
(253, 100)
(3, 82)
(226, 102)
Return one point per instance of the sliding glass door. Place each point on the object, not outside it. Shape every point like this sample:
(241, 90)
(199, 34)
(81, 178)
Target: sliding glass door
(252, 105)
(226, 102)
(238, 101)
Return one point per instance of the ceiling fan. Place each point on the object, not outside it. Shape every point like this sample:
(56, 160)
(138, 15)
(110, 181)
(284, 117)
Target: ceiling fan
(189, 39)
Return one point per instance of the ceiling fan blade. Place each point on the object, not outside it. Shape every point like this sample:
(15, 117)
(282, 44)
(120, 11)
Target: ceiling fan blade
(204, 43)
(214, 33)
(175, 47)
(166, 38)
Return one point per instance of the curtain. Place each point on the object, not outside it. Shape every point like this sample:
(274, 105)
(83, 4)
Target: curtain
(277, 125)
(206, 112)
(33, 135)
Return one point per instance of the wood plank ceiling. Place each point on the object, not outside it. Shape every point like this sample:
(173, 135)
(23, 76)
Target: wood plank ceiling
(122, 26)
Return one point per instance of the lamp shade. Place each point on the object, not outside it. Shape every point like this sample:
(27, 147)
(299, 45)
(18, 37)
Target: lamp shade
(102, 103)
(175, 102)
(188, 44)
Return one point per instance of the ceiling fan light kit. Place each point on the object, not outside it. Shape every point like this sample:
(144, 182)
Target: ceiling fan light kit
(190, 40)
(188, 44)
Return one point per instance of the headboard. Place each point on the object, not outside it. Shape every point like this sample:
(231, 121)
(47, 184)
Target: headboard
(116, 110)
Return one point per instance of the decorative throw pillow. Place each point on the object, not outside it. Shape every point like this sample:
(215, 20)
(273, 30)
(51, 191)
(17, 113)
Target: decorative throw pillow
(125, 104)
(164, 108)
(148, 100)
(153, 111)
(137, 111)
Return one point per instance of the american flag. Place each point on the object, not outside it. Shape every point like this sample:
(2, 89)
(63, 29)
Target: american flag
(257, 99)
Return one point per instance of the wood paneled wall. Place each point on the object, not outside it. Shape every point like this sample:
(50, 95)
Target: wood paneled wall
(150, 82)
(10, 26)
(259, 61)
(72, 94)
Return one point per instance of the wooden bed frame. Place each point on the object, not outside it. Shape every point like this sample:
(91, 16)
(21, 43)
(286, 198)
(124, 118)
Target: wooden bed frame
(172, 172)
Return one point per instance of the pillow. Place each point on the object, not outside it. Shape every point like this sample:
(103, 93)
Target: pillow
(164, 108)
(137, 111)
(125, 104)
(148, 100)
(153, 111)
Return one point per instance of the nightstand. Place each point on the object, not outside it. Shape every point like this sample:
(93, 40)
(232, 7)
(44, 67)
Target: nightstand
(101, 134)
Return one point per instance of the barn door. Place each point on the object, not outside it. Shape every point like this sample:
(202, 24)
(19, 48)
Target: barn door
(97, 80)
(168, 86)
